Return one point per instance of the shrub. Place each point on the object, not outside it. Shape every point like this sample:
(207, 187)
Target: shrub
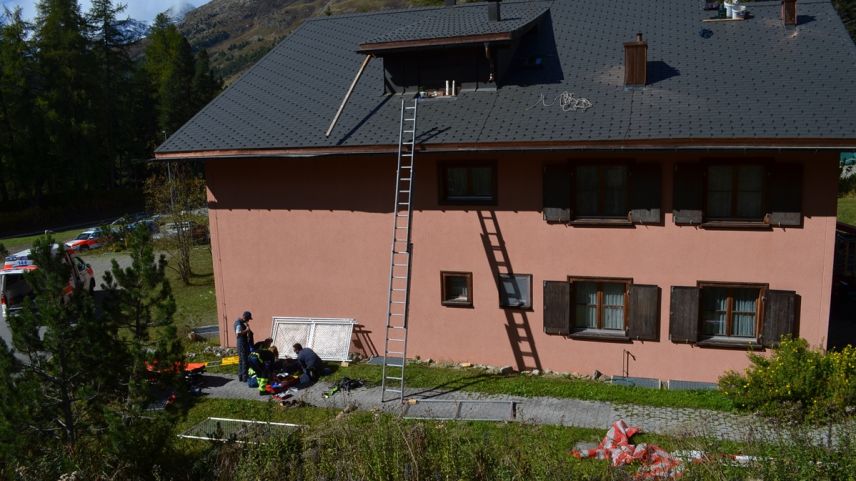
(797, 382)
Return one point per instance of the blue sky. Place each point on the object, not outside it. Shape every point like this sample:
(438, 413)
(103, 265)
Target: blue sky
(138, 9)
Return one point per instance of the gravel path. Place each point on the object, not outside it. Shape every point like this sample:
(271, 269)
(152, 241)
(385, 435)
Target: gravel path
(679, 422)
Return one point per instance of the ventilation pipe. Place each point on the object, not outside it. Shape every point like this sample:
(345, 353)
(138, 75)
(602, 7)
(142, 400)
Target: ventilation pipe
(493, 11)
(636, 62)
(789, 12)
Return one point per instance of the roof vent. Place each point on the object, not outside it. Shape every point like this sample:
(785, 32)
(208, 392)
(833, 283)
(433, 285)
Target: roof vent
(636, 62)
(493, 11)
(789, 12)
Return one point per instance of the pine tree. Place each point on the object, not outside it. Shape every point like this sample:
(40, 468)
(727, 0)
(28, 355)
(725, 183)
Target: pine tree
(169, 63)
(64, 100)
(63, 382)
(205, 85)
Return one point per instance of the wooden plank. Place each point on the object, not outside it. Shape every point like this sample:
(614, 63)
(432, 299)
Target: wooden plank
(348, 94)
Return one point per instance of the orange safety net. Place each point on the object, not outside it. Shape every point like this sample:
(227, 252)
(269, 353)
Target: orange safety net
(656, 462)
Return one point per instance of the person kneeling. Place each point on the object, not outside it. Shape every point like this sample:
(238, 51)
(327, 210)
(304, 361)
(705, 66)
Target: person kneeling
(310, 364)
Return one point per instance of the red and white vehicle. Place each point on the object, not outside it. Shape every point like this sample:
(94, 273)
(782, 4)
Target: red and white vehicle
(86, 240)
(14, 288)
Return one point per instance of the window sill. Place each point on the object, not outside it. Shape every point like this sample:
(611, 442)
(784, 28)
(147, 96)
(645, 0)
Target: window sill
(736, 224)
(729, 343)
(605, 222)
(600, 335)
(467, 202)
(518, 307)
(457, 304)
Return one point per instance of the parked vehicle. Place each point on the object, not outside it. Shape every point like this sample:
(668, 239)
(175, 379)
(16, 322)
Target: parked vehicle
(87, 240)
(14, 288)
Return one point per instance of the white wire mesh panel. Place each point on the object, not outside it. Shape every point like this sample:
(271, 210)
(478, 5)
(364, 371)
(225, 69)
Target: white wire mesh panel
(240, 430)
(329, 338)
(286, 334)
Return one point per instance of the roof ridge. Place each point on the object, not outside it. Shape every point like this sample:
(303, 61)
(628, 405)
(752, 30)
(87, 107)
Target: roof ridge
(337, 16)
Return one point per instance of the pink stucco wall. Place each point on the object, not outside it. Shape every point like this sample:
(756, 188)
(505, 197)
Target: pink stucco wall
(311, 237)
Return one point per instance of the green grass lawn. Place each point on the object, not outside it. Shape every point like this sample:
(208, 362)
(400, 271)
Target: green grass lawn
(478, 380)
(196, 303)
(847, 209)
(16, 244)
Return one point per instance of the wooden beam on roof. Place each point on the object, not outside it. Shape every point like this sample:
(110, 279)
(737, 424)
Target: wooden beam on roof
(348, 93)
(377, 47)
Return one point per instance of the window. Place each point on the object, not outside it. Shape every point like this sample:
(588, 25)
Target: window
(601, 191)
(456, 289)
(730, 311)
(735, 192)
(600, 304)
(515, 290)
(468, 184)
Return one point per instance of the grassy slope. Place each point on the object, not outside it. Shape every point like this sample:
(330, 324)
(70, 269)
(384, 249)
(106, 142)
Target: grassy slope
(477, 380)
(196, 303)
(847, 209)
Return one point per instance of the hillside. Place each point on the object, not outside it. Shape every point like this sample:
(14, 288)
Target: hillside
(236, 33)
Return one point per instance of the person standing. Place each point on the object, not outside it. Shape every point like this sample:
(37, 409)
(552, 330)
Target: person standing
(243, 333)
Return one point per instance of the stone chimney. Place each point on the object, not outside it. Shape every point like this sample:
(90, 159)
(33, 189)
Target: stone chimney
(636, 62)
(789, 12)
(493, 11)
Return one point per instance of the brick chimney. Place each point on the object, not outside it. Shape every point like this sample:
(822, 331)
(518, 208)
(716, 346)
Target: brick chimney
(493, 11)
(636, 62)
(789, 12)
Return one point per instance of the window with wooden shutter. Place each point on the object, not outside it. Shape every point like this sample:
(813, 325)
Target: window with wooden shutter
(780, 316)
(557, 307)
(644, 318)
(645, 193)
(785, 195)
(557, 193)
(688, 200)
(683, 314)
(601, 191)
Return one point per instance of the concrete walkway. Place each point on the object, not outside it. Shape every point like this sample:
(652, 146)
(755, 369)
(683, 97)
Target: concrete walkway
(679, 422)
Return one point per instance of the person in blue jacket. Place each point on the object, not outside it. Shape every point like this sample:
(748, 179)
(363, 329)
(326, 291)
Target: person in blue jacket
(243, 335)
(310, 363)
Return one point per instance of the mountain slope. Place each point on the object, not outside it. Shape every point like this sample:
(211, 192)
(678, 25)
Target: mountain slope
(236, 33)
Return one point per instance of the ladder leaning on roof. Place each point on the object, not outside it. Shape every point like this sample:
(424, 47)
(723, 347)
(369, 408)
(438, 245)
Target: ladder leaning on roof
(398, 299)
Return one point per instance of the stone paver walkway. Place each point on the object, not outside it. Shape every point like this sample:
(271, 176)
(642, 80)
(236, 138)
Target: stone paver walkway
(678, 422)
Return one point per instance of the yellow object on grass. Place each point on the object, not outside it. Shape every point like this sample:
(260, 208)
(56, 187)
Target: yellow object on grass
(228, 361)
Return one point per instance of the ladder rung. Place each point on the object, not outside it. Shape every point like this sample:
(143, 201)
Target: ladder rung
(396, 327)
(400, 265)
(407, 155)
(404, 203)
(394, 352)
(403, 191)
(394, 365)
(394, 378)
(401, 227)
(400, 290)
(410, 120)
(400, 252)
(405, 178)
(396, 340)
(407, 166)
(409, 108)
(408, 131)
(398, 302)
(391, 389)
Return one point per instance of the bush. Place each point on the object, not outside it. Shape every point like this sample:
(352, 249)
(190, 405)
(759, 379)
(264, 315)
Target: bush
(797, 383)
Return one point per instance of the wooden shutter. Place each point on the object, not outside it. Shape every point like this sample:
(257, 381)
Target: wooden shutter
(644, 316)
(557, 307)
(645, 193)
(557, 193)
(780, 316)
(683, 315)
(785, 195)
(688, 200)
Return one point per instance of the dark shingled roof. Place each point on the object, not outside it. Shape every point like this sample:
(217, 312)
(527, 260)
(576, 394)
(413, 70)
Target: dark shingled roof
(465, 21)
(706, 81)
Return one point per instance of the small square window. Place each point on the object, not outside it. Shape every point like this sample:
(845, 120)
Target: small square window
(456, 289)
(468, 184)
(515, 291)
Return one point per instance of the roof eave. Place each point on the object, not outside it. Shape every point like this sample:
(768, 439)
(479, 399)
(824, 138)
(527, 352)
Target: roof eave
(748, 144)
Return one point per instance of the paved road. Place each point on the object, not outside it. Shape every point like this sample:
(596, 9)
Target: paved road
(678, 422)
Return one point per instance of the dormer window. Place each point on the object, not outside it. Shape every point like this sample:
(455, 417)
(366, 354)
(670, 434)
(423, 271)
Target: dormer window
(454, 50)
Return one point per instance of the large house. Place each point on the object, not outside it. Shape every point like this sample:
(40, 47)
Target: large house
(628, 186)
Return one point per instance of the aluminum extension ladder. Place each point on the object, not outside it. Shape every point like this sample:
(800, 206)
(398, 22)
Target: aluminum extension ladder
(398, 299)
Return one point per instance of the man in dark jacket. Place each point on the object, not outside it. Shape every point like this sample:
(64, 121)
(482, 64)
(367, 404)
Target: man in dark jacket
(310, 363)
(243, 333)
